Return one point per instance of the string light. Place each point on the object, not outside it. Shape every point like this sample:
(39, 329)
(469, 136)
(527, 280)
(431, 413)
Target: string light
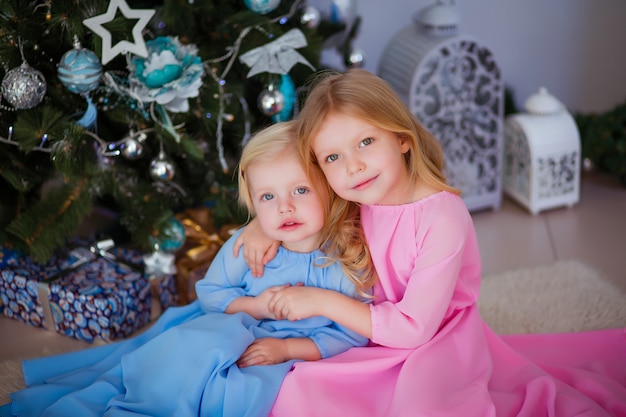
(9, 141)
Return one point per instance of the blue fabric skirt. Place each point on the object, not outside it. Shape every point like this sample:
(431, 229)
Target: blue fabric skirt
(183, 365)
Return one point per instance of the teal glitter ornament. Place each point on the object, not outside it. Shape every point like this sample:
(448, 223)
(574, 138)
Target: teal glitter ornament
(80, 70)
(262, 6)
(288, 89)
(171, 237)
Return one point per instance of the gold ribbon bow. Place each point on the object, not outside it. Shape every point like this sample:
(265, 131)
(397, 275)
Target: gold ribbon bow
(202, 242)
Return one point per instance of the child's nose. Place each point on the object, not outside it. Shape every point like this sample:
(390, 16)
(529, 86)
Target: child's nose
(286, 207)
(355, 165)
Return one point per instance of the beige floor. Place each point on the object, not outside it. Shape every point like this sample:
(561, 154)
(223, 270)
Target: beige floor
(594, 231)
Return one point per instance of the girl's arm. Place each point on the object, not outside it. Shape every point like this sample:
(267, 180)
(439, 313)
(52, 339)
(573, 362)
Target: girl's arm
(417, 314)
(257, 306)
(297, 302)
(441, 280)
(258, 249)
(222, 290)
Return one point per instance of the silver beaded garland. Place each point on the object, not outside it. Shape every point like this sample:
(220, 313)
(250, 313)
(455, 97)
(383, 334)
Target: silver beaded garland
(24, 87)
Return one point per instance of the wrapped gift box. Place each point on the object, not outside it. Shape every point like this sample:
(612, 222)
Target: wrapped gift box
(20, 279)
(167, 291)
(81, 294)
(202, 242)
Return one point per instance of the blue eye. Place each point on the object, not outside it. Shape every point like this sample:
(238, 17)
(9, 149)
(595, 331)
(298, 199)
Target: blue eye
(365, 142)
(332, 158)
(302, 190)
(267, 197)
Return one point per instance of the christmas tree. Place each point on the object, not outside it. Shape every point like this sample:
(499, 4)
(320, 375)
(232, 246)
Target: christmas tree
(141, 108)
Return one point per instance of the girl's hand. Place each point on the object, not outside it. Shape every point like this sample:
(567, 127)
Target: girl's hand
(258, 249)
(296, 302)
(262, 301)
(267, 351)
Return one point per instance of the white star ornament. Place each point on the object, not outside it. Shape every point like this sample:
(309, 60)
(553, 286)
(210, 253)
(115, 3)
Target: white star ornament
(137, 47)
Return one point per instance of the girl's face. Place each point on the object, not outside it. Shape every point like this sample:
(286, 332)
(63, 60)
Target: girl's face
(287, 206)
(363, 163)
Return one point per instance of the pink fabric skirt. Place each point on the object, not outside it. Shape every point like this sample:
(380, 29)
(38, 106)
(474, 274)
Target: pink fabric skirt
(466, 370)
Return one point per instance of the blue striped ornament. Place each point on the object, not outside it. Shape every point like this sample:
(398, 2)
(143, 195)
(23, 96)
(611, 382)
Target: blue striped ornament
(80, 70)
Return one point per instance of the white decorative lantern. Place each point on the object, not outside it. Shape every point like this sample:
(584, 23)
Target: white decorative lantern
(454, 86)
(542, 155)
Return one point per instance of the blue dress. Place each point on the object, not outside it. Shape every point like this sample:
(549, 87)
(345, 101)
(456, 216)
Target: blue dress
(185, 363)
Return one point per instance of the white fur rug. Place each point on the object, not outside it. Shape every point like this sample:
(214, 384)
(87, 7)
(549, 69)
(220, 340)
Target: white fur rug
(565, 296)
(562, 297)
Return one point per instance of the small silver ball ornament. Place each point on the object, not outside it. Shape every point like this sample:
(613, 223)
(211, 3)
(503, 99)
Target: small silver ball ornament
(271, 101)
(24, 87)
(132, 149)
(161, 168)
(311, 17)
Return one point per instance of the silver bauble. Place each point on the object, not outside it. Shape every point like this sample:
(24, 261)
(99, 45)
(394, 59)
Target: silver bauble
(132, 149)
(162, 169)
(311, 17)
(271, 101)
(356, 59)
(24, 87)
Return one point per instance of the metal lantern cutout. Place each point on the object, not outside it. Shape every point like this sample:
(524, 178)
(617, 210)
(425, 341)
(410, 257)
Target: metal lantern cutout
(454, 86)
(542, 155)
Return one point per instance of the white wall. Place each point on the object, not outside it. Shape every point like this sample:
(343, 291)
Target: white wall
(575, 48)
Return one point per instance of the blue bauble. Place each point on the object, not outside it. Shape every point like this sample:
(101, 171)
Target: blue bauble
(262, 6)
(288, 89)
(80, 70)
(171, 238)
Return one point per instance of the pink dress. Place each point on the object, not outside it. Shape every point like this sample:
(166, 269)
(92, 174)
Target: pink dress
(432, 355)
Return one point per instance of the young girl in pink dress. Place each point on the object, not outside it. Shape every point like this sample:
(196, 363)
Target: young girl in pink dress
(430, 352)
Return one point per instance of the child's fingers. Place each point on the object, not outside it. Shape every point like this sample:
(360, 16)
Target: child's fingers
(237, 246)
(271, 253)
(254, 261)
(275, 306)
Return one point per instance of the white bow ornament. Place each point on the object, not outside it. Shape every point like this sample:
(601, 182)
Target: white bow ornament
(277, 57)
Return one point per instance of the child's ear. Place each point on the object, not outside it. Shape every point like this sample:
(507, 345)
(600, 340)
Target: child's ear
(405, 142)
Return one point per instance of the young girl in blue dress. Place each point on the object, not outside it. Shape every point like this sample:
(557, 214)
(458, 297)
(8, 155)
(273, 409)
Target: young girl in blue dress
(197, 360)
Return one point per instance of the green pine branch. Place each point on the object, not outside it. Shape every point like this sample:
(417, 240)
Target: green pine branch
(44, 227)
(53, 171)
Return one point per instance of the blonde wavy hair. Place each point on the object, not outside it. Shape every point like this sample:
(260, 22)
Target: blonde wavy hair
(360, 94)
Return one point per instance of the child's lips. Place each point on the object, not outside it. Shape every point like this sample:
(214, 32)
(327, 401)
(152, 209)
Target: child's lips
(289, 225)
(365, 184)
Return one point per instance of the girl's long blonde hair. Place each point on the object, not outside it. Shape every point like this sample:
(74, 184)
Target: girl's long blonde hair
(365, 96)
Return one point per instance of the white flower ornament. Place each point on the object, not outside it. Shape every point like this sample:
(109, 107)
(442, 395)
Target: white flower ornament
(169, 75)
